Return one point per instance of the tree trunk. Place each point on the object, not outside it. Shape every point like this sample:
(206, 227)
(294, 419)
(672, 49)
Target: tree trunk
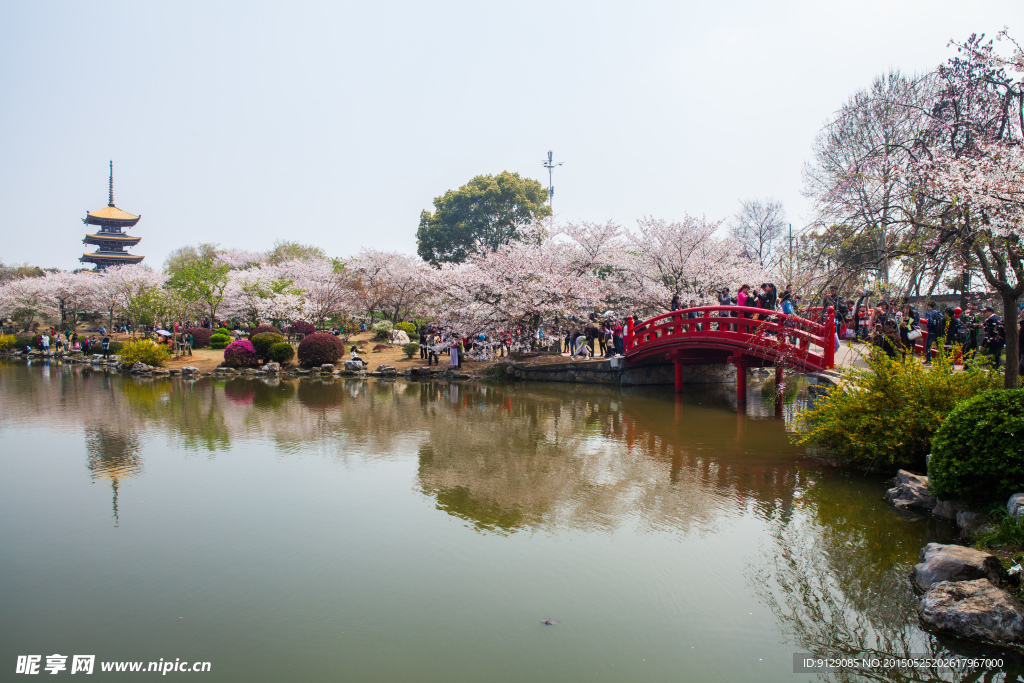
(1011, 373)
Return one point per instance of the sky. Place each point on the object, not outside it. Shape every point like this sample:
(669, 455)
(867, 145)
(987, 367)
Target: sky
(336, 123)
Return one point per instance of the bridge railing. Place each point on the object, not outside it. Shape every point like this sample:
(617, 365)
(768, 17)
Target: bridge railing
(788, 339)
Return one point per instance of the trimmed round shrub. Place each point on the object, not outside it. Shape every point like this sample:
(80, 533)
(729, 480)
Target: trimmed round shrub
(219, 341)
(410, 349)
(222, 330)
(21, 341)
(407, 327)
(282, 353)
(241, 354)
(382, 330)
(146, 351)
(260, 329)
(200, 336)
(978, 452)
(320, 348)
(263, 341)
(301, 327)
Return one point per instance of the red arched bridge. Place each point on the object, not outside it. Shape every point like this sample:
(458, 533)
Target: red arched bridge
(746, 337)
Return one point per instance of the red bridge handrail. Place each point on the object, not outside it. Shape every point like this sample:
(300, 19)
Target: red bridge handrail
(773, 336)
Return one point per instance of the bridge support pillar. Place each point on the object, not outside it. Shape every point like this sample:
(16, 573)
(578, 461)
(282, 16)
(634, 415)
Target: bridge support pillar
(679, 374)
(780, 389)
(741, 379)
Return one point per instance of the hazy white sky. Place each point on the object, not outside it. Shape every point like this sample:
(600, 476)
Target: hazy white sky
(336, 123)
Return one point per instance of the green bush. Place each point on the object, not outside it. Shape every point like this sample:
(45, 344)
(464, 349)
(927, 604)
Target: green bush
(282, 353)
(382, 330)
(222, 330)
(408, 328)
(410, 349)
(20, 342)
(115, 347)
(146, 351)
(263, 341)
(978, 452)
(884, 417)
(220, 341)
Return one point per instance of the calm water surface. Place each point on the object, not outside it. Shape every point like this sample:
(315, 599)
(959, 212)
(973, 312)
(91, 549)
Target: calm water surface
(389, 531)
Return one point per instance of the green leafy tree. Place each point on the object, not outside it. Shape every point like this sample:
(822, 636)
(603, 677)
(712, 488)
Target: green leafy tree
(483, 214)
(285, 250)
(202, 281)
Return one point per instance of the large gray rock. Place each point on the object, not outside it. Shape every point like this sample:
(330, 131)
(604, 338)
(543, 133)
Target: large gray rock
(948, 509)
(386, 369)
(272, 368)
(971, 521)
(1015, 506)
(354, 365)
(911, 491)
(327, 367)
(973, 609)
(955, 563)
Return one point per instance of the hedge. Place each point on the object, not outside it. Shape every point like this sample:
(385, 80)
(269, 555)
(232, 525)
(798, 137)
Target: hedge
(978, 452)
(241, 354)
(282, 353)
(200, 336)
(318, 349)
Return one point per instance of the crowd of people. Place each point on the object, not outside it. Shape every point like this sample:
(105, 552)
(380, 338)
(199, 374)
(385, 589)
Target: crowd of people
(897, 328)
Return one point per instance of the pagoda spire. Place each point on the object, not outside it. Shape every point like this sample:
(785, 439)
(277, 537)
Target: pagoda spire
(111, 201)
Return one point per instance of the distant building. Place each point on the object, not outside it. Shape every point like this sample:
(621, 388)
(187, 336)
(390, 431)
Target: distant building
(109, 238)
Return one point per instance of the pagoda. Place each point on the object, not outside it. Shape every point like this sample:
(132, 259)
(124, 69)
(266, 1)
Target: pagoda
(109, 238)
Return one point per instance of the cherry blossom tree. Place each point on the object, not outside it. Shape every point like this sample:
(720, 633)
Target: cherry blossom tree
(389, 282)
(24, 300)
(262, 294)
(138, 292)
(70, 294)
(684, 258)
(323, 285)
(514, 288)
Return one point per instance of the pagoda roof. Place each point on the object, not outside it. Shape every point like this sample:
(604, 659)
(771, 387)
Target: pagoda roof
(98, 256)
(112, 213)
(116, 237)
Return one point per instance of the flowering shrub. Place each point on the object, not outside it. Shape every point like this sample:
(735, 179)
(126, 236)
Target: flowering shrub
(219, 341)
(282, 353)
(377, 348)
(320, 348)
(260, 329)
(406, 327)
(6, 341)
(263, 341)
(301, 327)
(887, 414)
(241, 354)
(200, 336)
(145, 351)
(382, 330)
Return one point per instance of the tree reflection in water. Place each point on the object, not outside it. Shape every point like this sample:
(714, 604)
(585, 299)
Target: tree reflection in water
(840, 585)
(506, 459)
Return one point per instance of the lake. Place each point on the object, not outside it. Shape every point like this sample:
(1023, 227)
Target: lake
(309, 530)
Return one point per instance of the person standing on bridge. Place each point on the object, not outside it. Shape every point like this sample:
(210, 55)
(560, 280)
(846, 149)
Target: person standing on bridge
(745, 299)
(675, 306)
(725, 299)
